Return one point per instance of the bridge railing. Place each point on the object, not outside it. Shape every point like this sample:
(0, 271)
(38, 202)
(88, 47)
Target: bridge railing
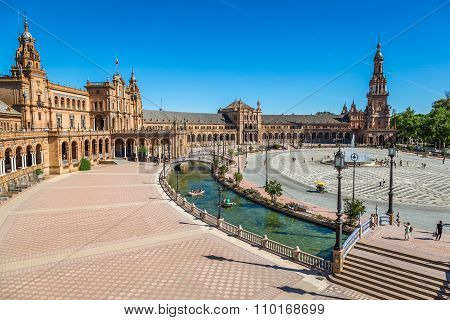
(360, 231)
(294, 254)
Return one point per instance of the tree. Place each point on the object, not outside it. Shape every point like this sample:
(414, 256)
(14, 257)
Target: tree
(222, 170)
(85, 165)
(238, 178)
(230, 153)
(353, 210)
(273, 188)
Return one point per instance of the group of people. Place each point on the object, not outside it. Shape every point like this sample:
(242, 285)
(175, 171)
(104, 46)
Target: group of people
(437, 234)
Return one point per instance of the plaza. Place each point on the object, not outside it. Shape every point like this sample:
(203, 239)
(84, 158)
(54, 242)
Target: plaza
(420, 194)
(112, 233)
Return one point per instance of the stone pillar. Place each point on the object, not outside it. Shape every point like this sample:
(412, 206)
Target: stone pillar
(2, 167)
(264, 241)
(125, 151)
(42, 156)
(296, 253)
(338, 261)
(113, 150)
(33, 159)
(24, 161)
(136, 153)
(13, 163)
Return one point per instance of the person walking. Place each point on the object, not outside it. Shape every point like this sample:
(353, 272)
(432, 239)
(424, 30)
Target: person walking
(407, 231)
(439, 230)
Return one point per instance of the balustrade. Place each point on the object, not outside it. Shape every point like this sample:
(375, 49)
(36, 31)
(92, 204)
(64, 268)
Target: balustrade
(275, 247)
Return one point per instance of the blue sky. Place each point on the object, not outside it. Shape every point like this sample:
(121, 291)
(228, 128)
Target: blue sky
(200, 55)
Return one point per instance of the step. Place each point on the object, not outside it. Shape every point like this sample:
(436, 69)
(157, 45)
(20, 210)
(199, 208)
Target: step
(406, 284)
(391, 270)
(399, 265)
(387, 288)
(413, 260)
(362, 286)
(406, 255)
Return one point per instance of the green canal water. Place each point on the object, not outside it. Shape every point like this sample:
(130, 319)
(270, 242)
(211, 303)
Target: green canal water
(311, 238)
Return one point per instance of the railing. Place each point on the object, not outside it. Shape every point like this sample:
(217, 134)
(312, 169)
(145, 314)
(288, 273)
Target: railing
(359, 232)
(294, 254)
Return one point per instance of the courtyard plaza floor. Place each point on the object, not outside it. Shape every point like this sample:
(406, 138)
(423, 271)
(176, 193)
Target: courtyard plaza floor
(111, 233)
(421, 195)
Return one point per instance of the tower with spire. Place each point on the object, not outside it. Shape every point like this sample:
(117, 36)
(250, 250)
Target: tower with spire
(377, 109)
(28, 59)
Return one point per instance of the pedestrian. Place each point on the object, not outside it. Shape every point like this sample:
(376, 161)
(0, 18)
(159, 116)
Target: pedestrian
(372, 221)
(407, 231)
(439, 230)
(384, 182)
(401, 163)
(381, 182)
(424, 165)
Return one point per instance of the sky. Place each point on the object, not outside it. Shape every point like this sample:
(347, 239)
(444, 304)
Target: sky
(199, 55)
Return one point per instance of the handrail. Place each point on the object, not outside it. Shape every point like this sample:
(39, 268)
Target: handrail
(294, 254)
(355, 236)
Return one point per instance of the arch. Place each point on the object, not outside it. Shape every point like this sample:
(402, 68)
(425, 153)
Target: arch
(199, 138)
(255, 137)
(100, 146)
(276, 136)
(264, 136)
(210, 137)
(270, 136)
(94, 147)
(188, 138)
(74, 151)
(327, 136)
(119, 148)
(38, 154)
(289, 136)
(8, 155)
(106, 145)
(19, 163)
(29, 156)
(295, 136)
(204, 137)
(87, 145)
(64, 152)
(233, 137)
(314, 136)
(320, 136)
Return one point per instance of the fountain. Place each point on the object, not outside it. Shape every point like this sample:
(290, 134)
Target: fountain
(351, 154)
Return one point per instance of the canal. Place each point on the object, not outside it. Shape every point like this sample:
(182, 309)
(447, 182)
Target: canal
(311, 238)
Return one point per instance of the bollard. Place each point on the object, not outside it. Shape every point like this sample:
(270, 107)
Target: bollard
(296, 253)
(203, 214)
(192, 208)
(219, 223)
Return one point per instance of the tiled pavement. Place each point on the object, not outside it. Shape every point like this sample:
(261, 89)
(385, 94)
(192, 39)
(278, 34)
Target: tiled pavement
(111, 233)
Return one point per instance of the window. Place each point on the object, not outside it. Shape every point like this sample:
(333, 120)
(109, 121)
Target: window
(39, 115)
(83, 121)
(72, 121)
(59, 120)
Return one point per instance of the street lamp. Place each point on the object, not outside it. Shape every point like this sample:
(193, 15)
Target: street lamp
(220, 189)
(267, 163)
(178, 173)
(239, 159)
(164, 160)
(391, 153)
(339, 164)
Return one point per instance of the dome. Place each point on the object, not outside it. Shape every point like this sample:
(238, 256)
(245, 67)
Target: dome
(26, 35)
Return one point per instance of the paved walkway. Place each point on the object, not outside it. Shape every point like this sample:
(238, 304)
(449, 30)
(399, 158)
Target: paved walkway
(413, 183)
(111, 233)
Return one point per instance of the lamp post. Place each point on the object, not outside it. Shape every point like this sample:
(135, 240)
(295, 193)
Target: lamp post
(178, 173)
(220, 189)
(164, 160)
(339, 164)
(391, 153)
(239, 159)
(267, 163)
(354, 158)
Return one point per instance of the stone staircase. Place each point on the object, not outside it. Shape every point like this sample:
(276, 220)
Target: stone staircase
(388, 274)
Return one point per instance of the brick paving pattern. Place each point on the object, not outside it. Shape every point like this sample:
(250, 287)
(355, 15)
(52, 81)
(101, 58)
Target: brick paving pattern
(111, 233)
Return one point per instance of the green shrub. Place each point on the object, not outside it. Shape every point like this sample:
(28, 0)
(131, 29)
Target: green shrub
(85, 165)
(38, 171)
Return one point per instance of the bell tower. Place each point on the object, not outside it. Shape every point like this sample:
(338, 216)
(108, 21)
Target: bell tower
(28, 59)
(377, 110)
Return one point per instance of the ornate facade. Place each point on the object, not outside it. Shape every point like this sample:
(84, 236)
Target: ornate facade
(50, 126)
